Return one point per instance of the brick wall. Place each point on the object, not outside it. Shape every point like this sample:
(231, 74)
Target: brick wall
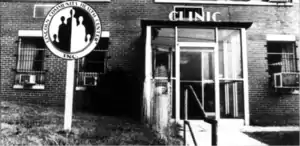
(122, 19)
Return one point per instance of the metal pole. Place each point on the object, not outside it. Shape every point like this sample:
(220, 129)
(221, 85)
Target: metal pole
(214, 132)
(185, 112)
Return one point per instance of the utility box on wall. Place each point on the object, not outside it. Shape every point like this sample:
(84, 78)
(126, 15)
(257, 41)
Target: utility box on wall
(286, 80)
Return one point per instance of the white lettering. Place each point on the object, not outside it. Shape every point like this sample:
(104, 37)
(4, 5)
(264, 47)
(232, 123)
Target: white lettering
(208, 16)
(214, 16)
(205, 16)
(70, 56)
(180, 15)
(172, 16)
(198, 16)
(191, 16)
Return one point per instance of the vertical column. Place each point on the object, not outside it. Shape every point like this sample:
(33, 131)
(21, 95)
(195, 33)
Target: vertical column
(177, 74)
(69, 94)
(245, 75)
(217, 80)
(19, 55)
(234, 76)
(148, 74)
(226, 75)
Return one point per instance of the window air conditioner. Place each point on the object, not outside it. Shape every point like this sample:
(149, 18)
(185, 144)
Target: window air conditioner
(279, 1)
(90, 81)
(27, 79)
(286, 80)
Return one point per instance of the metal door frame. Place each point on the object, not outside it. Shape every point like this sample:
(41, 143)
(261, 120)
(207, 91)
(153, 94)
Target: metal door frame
(214, 49)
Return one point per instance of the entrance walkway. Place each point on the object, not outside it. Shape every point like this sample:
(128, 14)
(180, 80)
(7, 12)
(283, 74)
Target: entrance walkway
(228, 135)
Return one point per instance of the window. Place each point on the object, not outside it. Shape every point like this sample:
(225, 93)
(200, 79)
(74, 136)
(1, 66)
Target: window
(90, 68)
(281, 57)
(30, 71)
(41, 10)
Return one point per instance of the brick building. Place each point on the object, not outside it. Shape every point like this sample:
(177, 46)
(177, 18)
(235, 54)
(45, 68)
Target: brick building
(255, 41)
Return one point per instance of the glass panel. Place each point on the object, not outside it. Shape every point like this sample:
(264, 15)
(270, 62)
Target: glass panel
(231, 100)
(190, 66)
(194, 111)
(209, 97)
(230, 54)
(163, 61)
(208, 65)
(173, 92)
(32, 53)
(163, 51)
(281, 57)
(196, 35)
(197, 71)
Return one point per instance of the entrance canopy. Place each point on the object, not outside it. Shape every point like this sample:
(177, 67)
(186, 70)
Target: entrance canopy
(209, 58)
(195, 24)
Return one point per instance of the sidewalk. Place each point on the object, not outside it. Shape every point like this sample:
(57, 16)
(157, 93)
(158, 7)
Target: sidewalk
(232, 136)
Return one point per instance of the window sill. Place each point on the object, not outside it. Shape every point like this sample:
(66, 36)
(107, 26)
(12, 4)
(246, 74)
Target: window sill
(226, 2)
(33, 87)
(80, 88)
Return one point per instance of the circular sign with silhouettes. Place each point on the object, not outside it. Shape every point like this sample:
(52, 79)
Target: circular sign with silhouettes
(71, 29)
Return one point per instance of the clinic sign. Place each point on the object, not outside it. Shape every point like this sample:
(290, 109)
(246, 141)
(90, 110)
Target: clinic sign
(189, 13)
(71, 30)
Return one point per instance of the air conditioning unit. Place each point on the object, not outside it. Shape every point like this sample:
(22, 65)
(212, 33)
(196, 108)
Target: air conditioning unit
(286, 80)
(90, 81)
(28, 79)
(279, 1)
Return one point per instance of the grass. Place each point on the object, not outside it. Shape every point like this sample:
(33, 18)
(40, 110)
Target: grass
(37, 125)
(277, 138)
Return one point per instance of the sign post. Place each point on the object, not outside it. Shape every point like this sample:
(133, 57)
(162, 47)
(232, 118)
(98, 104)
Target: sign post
(69, 94)
(71, 30)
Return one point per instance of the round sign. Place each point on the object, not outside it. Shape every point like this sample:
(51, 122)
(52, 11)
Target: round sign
(71, 29)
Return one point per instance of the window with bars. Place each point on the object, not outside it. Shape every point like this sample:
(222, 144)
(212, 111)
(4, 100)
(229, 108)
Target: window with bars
(281, 57)
(30, 62)
(91, 67)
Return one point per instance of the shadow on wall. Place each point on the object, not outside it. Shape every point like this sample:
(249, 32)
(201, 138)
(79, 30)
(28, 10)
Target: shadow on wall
(119, 92)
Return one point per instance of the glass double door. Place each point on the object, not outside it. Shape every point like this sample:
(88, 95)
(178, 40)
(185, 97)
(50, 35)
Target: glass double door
(196, 66)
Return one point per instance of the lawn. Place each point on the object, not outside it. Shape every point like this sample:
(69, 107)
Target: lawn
(277, 138)
(30, 124)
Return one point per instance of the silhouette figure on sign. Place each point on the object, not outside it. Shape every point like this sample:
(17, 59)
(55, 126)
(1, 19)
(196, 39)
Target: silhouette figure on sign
(72, 36)
(55, 42)
(64, 36)
(78, 39)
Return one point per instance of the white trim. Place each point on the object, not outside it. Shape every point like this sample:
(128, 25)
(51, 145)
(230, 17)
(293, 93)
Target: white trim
(177, 76)
(280, 37)
(30, 33)
(196, 44)
(217, 80)
(148, 75)
(38, 33)
(35, 87)
(196, 50)
(245, 76)
(69, 94)
(80, 88)
(105, 34)
(225, 2)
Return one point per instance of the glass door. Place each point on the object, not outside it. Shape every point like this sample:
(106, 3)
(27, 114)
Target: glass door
(197, 74)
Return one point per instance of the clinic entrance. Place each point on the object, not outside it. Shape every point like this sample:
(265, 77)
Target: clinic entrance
(205, 61)
(196, 67)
